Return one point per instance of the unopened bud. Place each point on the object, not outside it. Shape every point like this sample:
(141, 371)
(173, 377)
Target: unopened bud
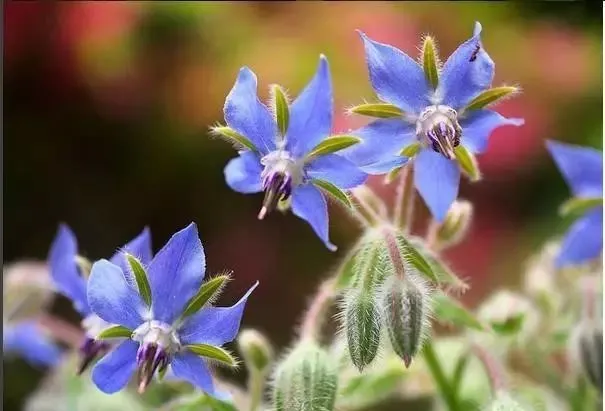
(256, 350)
(407, 315)
(306, 380)
(362, 323)
(585, 353)
(540, 275)
(456, 224)
(504, 402)
(510, 314)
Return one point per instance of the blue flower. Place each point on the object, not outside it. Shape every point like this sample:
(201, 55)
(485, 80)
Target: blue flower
(72, 283)
(29, 341)
(280, 165)
(582, 169)
(432, 116)
(161, 334)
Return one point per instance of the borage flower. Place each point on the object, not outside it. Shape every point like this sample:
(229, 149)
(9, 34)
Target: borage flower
(434, 115)
(286, 154)
(28, 339)
(70, 273)
(582, 169)
(165, 319)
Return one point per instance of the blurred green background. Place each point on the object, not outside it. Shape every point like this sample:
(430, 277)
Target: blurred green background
(107, 108)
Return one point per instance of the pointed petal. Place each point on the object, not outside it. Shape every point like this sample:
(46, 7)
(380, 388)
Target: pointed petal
(380, 146)
(64, 270)
(192, 368)
(176, 273)
(115, 369)
(112, 298)
(477, 128)
(336, 170)
(214, 325)
(28, 339)
(466, 73)
(140, 247)
(436, 179)
(243, 173)
(582, 168)
(309, 204)
(584, 240)
(247, 115)
(311, 113)
(396, 77)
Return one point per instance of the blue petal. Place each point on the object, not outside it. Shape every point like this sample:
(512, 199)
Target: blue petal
(214, 325)
(584, 240)
(382, 141)
(477, 128)
(247, 115)
(396, 77)
(140, 247)
(112, 298)
(582, 168)
(243, 173)
(437, 180)
(64, 270)
(311, 113)
(115, 369)
(192, 368)
(28, 339)
(466, 73)
(309, 204)
(176, 274)
(336, 170)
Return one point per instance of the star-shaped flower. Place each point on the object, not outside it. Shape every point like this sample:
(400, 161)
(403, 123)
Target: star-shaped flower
(72, 283)
(157, 318)
(27, 339)
(434, 115)
(582, 169)
(286, 153)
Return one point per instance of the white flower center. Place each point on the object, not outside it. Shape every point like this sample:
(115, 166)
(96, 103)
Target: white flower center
(157, 333)
(281, 174)
(437, 127)
(93, 325)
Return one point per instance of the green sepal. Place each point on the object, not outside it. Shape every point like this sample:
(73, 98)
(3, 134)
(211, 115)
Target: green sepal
(392, 175)
(411, 150)
(413, 256)
(468, 163)
(140, 276)
(228, 134)
(448, 310)
(331, 145)
(333, 191)
(510, 326)
(116, 331)
(162, 373)
(213, 353)
(490, 96)
(377, 110)
(430, 61)
(281, 108)
(207, 293)
(444, 274)
(577, 206)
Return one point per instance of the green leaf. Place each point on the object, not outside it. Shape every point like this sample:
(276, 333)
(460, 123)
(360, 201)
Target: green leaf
(280, 108)
(448, 310)
(511, 326)
(411, 150)
(490, 96)
(207, 293)
(331, 145)
(578, 206)
(378, 110)
(140, 276)
(334, 191)
(430, 61)
(233, 137)
(214, 353)
(468, 163)
(117, 331)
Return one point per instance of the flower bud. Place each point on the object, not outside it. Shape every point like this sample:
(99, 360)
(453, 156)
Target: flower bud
(362, 324)
(585, 352)
(306, 380)
(504, 402)
(510, 314)
(407, 315)
(256, 350)
(456, 224)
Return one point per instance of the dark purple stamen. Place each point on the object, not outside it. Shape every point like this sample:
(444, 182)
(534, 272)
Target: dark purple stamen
(150, 358)
(277, 186)
(444, 137)
(89, 350)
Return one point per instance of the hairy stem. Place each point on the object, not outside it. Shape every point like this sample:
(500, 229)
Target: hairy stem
(494, 370)
(361, 195)
(256, 385)
(394, 254)
(443, 385)
(314, 317)
(404, 199)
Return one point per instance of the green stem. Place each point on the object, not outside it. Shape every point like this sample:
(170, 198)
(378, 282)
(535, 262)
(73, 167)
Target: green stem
(404, 200)
(256, 385)
(449, 396)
